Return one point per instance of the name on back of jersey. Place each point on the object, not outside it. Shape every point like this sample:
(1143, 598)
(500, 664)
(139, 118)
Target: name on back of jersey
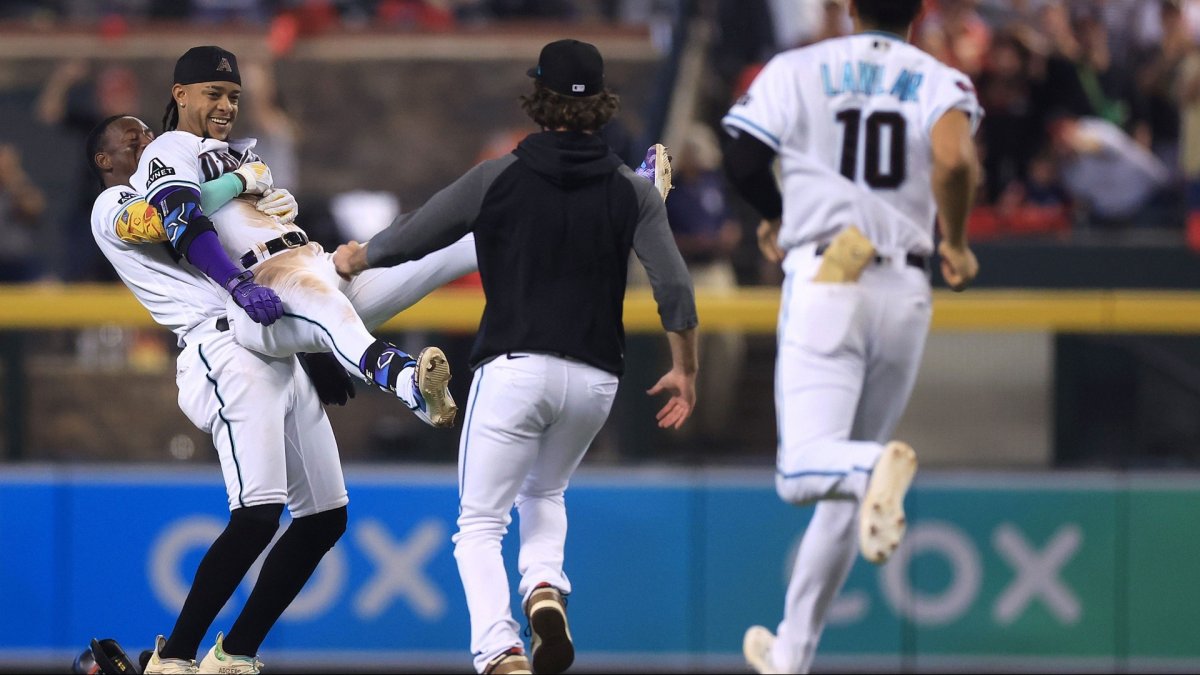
(869, 79)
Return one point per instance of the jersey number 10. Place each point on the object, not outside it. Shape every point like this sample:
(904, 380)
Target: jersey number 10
(875, 173)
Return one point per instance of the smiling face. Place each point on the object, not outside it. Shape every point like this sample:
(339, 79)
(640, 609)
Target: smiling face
(207, 109)
(121, 148)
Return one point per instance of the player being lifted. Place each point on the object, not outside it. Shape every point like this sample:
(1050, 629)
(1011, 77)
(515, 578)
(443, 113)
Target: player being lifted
(872, 133)
(264, 246)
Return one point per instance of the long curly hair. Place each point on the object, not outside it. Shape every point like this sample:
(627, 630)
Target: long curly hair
(552, 110)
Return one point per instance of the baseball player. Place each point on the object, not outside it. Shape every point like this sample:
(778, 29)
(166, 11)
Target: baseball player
(554, 224)
(260, 243)
(874, 140)
(272, 436)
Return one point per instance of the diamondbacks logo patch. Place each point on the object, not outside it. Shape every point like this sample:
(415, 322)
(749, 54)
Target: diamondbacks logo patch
(158, 170)
(223, 65)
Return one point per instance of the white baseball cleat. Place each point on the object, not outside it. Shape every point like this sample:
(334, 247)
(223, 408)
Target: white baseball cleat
(881, 522)
(433, 378)
(217, 661)
(756, 647)
(157, 664)
(657, 168)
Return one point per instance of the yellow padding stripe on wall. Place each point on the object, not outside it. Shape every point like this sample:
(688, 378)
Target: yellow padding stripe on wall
(752, 310)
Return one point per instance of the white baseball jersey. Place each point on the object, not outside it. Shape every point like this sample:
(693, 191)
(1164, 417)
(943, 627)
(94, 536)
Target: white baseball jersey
(182, 159)
(130, 234)
(270, 431)
(850, 119)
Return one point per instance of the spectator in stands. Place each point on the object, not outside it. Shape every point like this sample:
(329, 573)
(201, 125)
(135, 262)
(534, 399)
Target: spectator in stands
(955, 33)
(1157, 81)
(21, 208)
(69, 102)
(1108, 172)
(707, 235)
(1006, 93)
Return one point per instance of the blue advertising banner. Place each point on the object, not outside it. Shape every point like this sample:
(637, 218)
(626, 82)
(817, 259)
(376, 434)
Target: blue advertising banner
(669, 568)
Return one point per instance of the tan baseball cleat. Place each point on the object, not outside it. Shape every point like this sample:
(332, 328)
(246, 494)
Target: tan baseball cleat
(756, 648)
(846, 257)
(551, 647)
(433, 378)
(881, 522)
(511, 662)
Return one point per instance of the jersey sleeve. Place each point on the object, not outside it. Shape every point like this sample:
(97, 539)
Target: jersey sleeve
(171, 160)
(952, 90)
(768, 109)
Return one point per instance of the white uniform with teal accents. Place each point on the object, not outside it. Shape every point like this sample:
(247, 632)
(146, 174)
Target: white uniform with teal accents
(850, 120)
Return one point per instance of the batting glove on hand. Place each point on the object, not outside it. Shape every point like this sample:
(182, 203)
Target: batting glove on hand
(259, 302)
(256, 176)
(333, 384)
(280, 203)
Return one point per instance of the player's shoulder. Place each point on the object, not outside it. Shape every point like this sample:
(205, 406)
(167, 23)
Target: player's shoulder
(175, 139)
(113, 197)
(110, 202)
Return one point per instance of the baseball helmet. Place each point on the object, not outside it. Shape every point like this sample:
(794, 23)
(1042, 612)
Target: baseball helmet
(104, 657)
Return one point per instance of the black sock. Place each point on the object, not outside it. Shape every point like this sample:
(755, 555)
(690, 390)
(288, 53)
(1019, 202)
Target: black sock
(228, 559)
(288, 567)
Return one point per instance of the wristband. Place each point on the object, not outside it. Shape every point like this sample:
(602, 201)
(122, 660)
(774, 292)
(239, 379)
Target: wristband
(236, 280)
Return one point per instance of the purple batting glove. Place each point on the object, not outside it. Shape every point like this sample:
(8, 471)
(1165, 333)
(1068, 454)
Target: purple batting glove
(259, 302)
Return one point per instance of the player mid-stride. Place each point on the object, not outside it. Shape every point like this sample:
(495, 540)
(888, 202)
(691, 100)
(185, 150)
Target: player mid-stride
(874, 138)
(554, 224)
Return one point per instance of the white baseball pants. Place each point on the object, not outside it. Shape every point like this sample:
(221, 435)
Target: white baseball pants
(323, 312)
(847, 361)
(530, 418)
(270, 430)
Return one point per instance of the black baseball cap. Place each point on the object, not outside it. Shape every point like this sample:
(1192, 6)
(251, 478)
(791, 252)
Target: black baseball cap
(570, 68)
(207, 64)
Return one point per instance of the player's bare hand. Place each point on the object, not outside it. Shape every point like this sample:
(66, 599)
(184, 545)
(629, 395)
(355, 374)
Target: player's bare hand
(959, 265)
(768, 240)
(280, 203)
(682, 389)
(350, 259)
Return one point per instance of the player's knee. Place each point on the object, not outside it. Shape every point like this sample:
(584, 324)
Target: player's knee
(323, 529)
(794, 491)
(257, 524)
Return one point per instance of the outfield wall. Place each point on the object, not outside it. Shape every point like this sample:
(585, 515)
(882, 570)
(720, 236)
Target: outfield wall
(1049, 571)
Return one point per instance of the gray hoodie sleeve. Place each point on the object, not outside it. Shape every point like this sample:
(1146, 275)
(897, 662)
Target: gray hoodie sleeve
(443, 220)
(655, 248)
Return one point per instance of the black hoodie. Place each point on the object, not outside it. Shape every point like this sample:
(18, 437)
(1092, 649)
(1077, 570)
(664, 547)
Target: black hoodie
(554, 224)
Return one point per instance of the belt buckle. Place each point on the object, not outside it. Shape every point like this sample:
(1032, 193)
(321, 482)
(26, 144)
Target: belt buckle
(292, 239)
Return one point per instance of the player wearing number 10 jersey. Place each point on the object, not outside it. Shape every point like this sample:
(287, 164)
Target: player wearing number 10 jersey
(874, 142)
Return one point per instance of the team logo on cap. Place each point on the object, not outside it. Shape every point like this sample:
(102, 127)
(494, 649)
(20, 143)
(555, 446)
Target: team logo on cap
(224, 65)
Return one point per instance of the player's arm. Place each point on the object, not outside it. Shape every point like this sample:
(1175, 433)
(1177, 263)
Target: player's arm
(672, 287)
(447, 217)
(749, 164)
(955, 175)
(171, 176)
(140, 223)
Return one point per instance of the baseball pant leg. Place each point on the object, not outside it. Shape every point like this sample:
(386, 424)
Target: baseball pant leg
(506, 412)
(380, 294)
(823, 561)
(818, 381)
(903, 306)
(241, 398)
(540, 503)
(317, 316)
